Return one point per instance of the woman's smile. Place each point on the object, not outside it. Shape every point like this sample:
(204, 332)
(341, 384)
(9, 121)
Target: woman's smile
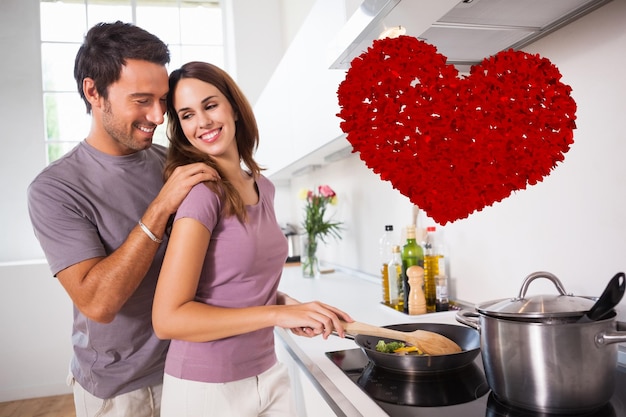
(210, 136)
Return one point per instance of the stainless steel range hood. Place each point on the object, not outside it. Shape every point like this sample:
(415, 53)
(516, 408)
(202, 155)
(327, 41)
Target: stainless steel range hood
(466, 32)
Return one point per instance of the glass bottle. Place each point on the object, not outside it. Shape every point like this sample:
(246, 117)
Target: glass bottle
(385, 244)
(442, 302)
(412, 254)
(433, 263)
(396, 289)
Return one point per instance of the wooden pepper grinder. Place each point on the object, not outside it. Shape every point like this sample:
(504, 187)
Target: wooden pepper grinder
(417, 300)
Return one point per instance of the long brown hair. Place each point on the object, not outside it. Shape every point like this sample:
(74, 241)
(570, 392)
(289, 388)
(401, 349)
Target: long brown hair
(182, 152)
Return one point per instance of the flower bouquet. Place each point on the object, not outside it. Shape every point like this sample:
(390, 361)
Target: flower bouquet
(316, 228)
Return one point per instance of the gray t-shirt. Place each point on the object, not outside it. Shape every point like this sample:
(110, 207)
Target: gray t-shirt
(82, 206)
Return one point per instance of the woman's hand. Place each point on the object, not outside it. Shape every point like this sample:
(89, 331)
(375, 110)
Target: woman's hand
(310, 319)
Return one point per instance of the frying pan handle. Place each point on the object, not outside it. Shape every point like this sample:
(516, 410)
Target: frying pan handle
(346, 336)
(468, 318)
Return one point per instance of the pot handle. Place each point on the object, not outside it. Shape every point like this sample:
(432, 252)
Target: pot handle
(541, 274)
(608, 338)
(468, 318)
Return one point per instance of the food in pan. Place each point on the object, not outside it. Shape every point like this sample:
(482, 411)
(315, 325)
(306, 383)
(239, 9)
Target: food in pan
(398, 348)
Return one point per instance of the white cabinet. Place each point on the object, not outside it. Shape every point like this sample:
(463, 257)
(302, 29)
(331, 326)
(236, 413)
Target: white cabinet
(309, 401)
(297, 110)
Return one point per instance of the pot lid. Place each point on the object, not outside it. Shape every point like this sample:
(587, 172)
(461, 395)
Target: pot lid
(539, 306)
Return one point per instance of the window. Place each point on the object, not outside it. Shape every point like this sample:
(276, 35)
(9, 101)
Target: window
(191, 28)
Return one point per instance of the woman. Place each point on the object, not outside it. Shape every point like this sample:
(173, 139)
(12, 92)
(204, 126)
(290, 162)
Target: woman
(217, 295)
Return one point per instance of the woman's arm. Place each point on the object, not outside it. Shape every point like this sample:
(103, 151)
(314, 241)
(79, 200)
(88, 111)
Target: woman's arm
(176, 314)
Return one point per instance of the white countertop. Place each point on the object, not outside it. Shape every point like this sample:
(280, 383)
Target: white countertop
(359, 297)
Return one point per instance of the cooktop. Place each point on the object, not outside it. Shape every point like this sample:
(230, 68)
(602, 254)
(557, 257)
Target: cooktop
(461, 392)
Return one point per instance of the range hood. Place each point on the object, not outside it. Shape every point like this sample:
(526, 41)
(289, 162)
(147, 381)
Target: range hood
(464, 31)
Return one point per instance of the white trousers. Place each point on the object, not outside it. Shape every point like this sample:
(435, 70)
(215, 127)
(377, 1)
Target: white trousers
(144, 402)
(264, 395)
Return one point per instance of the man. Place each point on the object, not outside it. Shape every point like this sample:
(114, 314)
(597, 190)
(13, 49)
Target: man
(100, 214)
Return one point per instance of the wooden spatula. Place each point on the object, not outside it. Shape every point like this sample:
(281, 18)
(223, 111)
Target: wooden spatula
(428, 342)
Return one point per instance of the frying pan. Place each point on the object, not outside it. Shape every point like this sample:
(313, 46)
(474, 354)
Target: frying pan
(467, 338)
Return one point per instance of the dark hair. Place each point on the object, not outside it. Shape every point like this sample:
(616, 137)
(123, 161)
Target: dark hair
(106, 48)
(182, 152)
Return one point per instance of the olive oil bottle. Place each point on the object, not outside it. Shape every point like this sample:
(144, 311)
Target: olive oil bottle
(433, 266)
(412, 254)
(394, 272)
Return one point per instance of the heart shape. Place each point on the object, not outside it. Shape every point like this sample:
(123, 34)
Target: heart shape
(454, 145)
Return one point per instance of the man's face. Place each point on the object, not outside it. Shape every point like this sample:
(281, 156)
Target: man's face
(135, 107)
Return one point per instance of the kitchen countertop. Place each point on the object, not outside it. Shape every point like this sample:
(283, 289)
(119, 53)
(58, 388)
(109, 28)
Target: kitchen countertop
(359, 297)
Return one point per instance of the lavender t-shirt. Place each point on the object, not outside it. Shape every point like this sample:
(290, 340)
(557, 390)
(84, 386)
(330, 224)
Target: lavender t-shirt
(242, 268)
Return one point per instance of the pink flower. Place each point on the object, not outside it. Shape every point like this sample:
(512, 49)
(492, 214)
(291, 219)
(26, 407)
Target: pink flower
(315, 225)
(326, 191)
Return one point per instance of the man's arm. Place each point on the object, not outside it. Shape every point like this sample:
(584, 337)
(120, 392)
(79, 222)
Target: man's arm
(99, 287)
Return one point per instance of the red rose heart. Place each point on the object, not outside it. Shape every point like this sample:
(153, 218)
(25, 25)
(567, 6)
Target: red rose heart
(451, 144)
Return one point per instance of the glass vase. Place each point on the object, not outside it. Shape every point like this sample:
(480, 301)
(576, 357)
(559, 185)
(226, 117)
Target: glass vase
(308, 257)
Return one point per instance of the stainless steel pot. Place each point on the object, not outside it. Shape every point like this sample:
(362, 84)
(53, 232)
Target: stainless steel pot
(539, 355)
(293, 243)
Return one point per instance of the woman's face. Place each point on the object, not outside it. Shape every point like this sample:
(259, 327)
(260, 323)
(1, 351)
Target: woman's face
(206, 116)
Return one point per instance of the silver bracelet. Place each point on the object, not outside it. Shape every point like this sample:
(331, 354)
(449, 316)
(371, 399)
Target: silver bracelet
(149, 233)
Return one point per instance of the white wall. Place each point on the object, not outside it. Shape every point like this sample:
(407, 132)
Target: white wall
(572, 224)
(21, 118)
(36, 326)
(35, 312)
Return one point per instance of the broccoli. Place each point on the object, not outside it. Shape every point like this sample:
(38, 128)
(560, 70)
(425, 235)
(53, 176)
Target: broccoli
(381, 346)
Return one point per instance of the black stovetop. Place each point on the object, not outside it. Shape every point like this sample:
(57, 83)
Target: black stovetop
(463, 392)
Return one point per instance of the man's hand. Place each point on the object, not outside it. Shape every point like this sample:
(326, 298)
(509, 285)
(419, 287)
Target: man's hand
(180, 182)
